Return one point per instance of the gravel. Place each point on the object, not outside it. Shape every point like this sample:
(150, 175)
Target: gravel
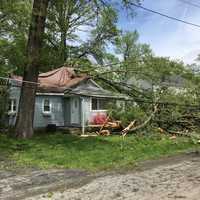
(170, 178)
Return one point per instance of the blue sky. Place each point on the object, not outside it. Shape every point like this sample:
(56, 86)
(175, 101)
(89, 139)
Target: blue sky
(166, 37)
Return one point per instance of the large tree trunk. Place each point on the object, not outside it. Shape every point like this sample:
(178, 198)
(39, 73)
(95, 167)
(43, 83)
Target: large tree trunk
(63, 47)
(63, 24)
(25, 117)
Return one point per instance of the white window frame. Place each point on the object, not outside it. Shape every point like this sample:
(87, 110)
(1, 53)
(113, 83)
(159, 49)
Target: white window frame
(50, 107)
(12, 111)
(97, 105)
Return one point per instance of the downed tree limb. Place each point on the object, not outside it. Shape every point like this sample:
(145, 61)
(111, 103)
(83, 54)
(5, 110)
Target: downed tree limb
(126, 130)
(106, 128)
(104, 133)
(183, 133)
(115, 125)
(109, 124)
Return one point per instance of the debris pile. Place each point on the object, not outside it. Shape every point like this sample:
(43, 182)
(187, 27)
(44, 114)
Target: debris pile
(185, 124)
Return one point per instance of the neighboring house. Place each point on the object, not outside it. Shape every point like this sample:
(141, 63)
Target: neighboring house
(64, 99)
(175, 83)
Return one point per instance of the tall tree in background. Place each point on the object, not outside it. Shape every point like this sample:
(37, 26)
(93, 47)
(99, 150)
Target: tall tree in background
(80, 29)
(132, 53)
(127, 45)
(75, 30)
(65, 21)
(24, 124)
(14, 19)
(103, 34)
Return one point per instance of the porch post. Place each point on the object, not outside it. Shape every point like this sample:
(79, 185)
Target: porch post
(83, 116)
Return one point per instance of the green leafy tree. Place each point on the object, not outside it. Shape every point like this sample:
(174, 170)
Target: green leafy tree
(24, 125)
(15, 17)
(103, 34)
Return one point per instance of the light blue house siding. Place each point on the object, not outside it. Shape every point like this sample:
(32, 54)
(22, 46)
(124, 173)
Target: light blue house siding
(86, 102)
(72, 111)
(66, 108)
(73, 108)
(40, 119)
(86, 92)
(61, 110)
(55, 117)
(88, 113)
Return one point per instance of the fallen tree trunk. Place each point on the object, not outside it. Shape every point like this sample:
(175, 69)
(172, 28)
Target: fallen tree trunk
(127, 129)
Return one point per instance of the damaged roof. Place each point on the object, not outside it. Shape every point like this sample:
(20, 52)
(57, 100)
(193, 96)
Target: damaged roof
(65, 80)
(57, 80)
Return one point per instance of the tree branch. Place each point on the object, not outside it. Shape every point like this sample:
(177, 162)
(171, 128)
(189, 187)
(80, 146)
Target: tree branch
(130, 129)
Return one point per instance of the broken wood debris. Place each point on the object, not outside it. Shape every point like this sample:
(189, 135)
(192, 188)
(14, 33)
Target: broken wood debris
(185, 125)
(128, 128)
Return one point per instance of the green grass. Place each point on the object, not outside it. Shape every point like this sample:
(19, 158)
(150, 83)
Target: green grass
(94, 153)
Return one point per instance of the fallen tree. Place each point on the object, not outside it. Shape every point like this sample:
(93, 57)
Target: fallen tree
(131, 128)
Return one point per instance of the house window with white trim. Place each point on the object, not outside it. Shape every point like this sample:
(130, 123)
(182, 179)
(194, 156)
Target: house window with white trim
(99, 104)
(47, 106)
(12, 106)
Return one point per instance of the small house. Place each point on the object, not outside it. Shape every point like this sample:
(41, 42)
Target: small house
(64, 99)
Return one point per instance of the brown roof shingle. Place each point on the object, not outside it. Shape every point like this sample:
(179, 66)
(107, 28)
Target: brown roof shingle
(57, 80)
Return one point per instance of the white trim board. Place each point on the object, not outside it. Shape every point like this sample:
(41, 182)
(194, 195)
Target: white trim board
(49, 94)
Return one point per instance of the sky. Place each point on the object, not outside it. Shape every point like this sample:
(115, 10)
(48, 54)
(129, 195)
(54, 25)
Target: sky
(166, 37)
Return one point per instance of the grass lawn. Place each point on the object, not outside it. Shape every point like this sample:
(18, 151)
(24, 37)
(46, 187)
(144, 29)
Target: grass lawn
(95, 153)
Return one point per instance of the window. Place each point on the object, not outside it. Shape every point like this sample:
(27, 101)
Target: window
(103, 104)
(99, 104)
(94, 104)
(12, 106)
(47, 106)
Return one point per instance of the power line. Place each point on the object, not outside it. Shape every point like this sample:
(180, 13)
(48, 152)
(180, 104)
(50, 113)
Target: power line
(16, 80)
(166, 16)
(190, 3)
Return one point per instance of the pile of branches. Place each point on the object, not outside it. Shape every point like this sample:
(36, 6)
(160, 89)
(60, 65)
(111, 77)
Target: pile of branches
(172, 119)
(178, 120)
(168, 112)
(108, 125)
(186, 122)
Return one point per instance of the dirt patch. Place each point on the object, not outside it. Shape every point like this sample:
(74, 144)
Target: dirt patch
(18, 186)
(169, 178)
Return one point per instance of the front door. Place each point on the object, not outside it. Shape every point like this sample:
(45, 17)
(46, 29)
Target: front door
(75, 110)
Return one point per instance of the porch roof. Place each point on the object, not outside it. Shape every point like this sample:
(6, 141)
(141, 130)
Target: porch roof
(97, 92)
